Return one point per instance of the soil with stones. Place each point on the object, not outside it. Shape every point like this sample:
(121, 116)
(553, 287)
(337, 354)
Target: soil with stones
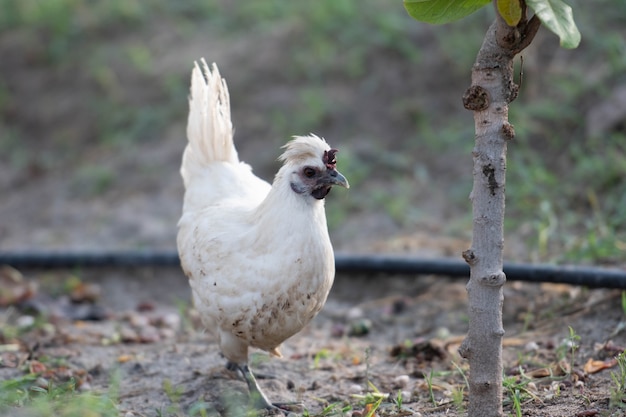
(132, 329)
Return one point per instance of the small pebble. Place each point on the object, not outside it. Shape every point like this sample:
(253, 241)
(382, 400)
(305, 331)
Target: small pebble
(338, 330)
(354, 313)
(138, 320)
(48, 329)
(443, 333)
(167, 333)
(399, 306)
(42, 382)
(401, 381)
(149, 334)
(84, 386)
(355, 389)
(24, 321)
(170, 320)
(406, 397)
(531, 347)
(128, 335)
(85, 293)
(145, 306)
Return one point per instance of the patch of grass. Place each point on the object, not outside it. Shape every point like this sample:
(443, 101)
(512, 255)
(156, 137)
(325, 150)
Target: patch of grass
(327, 29)
(558, 176)
(197, 409)
(30, 397)
(93, 180)
(332, 409)
(64, 22)
(565, 197)
(335, 409)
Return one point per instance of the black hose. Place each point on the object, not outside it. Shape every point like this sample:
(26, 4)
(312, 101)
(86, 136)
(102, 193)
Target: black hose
(576, 275)
(346, 264)
(88, 259)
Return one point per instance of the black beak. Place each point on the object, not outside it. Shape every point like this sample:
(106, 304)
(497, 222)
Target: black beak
(326, 182)
(334, 177)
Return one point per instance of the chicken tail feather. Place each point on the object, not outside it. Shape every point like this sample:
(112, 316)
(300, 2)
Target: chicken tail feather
(209, 127)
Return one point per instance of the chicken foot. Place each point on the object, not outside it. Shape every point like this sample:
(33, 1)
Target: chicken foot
(259, 399)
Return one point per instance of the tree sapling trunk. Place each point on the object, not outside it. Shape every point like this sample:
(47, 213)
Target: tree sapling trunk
(488, 97)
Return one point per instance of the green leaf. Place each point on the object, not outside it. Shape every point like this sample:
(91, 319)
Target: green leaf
(511, 11)
(558, 17)
(442, 11)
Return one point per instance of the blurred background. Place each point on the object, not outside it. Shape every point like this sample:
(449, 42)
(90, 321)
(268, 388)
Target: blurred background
(93, 107)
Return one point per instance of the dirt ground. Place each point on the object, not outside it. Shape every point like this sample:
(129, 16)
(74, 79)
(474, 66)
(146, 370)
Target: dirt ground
(131, 329)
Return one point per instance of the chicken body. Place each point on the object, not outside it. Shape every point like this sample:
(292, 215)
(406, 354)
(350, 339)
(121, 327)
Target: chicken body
(258, 256)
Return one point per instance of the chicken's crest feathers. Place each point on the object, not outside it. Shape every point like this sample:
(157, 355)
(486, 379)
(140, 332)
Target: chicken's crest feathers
(301, 148)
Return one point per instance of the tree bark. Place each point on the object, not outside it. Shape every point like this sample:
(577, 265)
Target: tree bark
(488, 97)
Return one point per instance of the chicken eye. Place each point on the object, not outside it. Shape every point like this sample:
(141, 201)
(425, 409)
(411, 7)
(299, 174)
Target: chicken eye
(309, 172)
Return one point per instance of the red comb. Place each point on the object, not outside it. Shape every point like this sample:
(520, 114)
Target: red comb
(330, 160)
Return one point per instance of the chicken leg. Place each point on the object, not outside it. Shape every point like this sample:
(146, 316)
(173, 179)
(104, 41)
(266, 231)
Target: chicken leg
(259, 399)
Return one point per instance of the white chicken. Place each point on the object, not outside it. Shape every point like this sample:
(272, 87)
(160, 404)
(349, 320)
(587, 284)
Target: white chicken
(258, 256)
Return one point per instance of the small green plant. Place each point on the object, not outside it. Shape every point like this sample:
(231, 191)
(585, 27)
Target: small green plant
(333, 409)
(458, 398)
(529, 318)
(398, 400)
(200, 409)
(183, 307)
(458, 368)
(567, 349)
(515, 393)
(517, 403)
(573, 340)
(458, 393)
(618, 391)
(372, 400)
(429, 382)
(319, 355)
(174, 394)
